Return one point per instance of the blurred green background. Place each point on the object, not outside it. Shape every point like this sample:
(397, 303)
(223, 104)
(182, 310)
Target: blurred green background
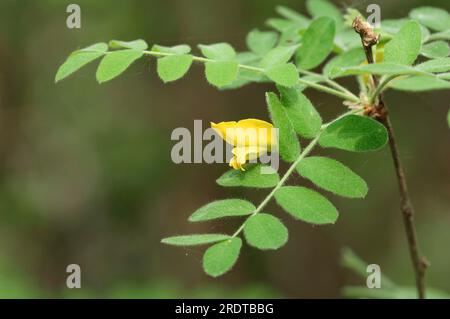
(86, 175)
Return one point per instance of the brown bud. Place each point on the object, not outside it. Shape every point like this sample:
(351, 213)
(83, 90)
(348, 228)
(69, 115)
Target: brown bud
(365, 30)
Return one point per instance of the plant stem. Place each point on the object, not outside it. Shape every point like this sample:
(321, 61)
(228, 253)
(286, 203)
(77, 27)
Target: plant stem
(382, 115)
(290, 170)
(348, 96)
(331, 91)
(419, 262)
(381, 86)
(328, 81)
(282, 181)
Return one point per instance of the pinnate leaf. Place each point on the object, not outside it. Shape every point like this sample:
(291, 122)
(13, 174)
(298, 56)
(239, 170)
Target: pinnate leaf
(448, 118)
(221, 209)
(405, 45)
(288, 145)
(419, 84)
(383, 68)
(292, 15)
(218, 51)
(303, 115)
(116, 62)
(283, 74)
(257, 176)
(333, 176)
(434, 18)
(437, 65)
(347, 59)
(324, 8)
(393, 26)
(306, 205)
(80, 58)
(355, 133)
(178, 49)
(265, 231)
(135, 45)
(317, 43)
(436, 49)
(174, 67)
(221, 73)
(221, 257)
(194, 240)
(277, 56)
(261, 42)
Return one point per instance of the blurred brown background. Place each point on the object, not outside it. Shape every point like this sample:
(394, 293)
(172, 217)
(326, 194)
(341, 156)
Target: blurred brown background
(86, 175)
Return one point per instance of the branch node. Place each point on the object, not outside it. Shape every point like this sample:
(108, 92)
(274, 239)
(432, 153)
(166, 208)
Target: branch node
(378, 112)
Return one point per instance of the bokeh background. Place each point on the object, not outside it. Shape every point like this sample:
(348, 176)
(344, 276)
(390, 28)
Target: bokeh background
(86, 175)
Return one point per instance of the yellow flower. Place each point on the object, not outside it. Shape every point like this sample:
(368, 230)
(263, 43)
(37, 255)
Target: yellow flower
(250, 139)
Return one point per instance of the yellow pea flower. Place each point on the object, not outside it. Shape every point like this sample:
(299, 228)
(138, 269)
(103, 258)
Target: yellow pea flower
(250, 139)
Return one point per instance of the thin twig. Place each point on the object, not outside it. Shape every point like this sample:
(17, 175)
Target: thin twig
(419, 262)
(381, 86)
(328, 81)
(380, 113)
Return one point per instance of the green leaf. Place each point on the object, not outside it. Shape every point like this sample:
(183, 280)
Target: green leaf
(283, 74)
(355, 133)
(293, 34)
(346, 40)
(279, 55)
(306, 205)
(392, 26)
(383, 68)
(261, 42)
(435, 50)
(194, 240)
(246, 76)
(347, 59)
(178, 49)
(80, 58)
(437, 65)
(221, 73)
(323, 8)
(292, 15)
(303, 115)
(288, 145)
(116, 62)
(265, 231)
(333, 176)
(223, 208)
(281, 25)
(444, 35)
(221, 257)
(98, 47)
(448, 118)
(310, 78)
(405, 45)
(317, 44)
(218, 51)
(257, 176)
(135, 45)
(443, 76)
(174, 67)
(419, 84)
(434, 18)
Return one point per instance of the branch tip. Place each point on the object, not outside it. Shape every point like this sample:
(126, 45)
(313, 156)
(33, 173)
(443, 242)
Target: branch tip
(365, 30)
